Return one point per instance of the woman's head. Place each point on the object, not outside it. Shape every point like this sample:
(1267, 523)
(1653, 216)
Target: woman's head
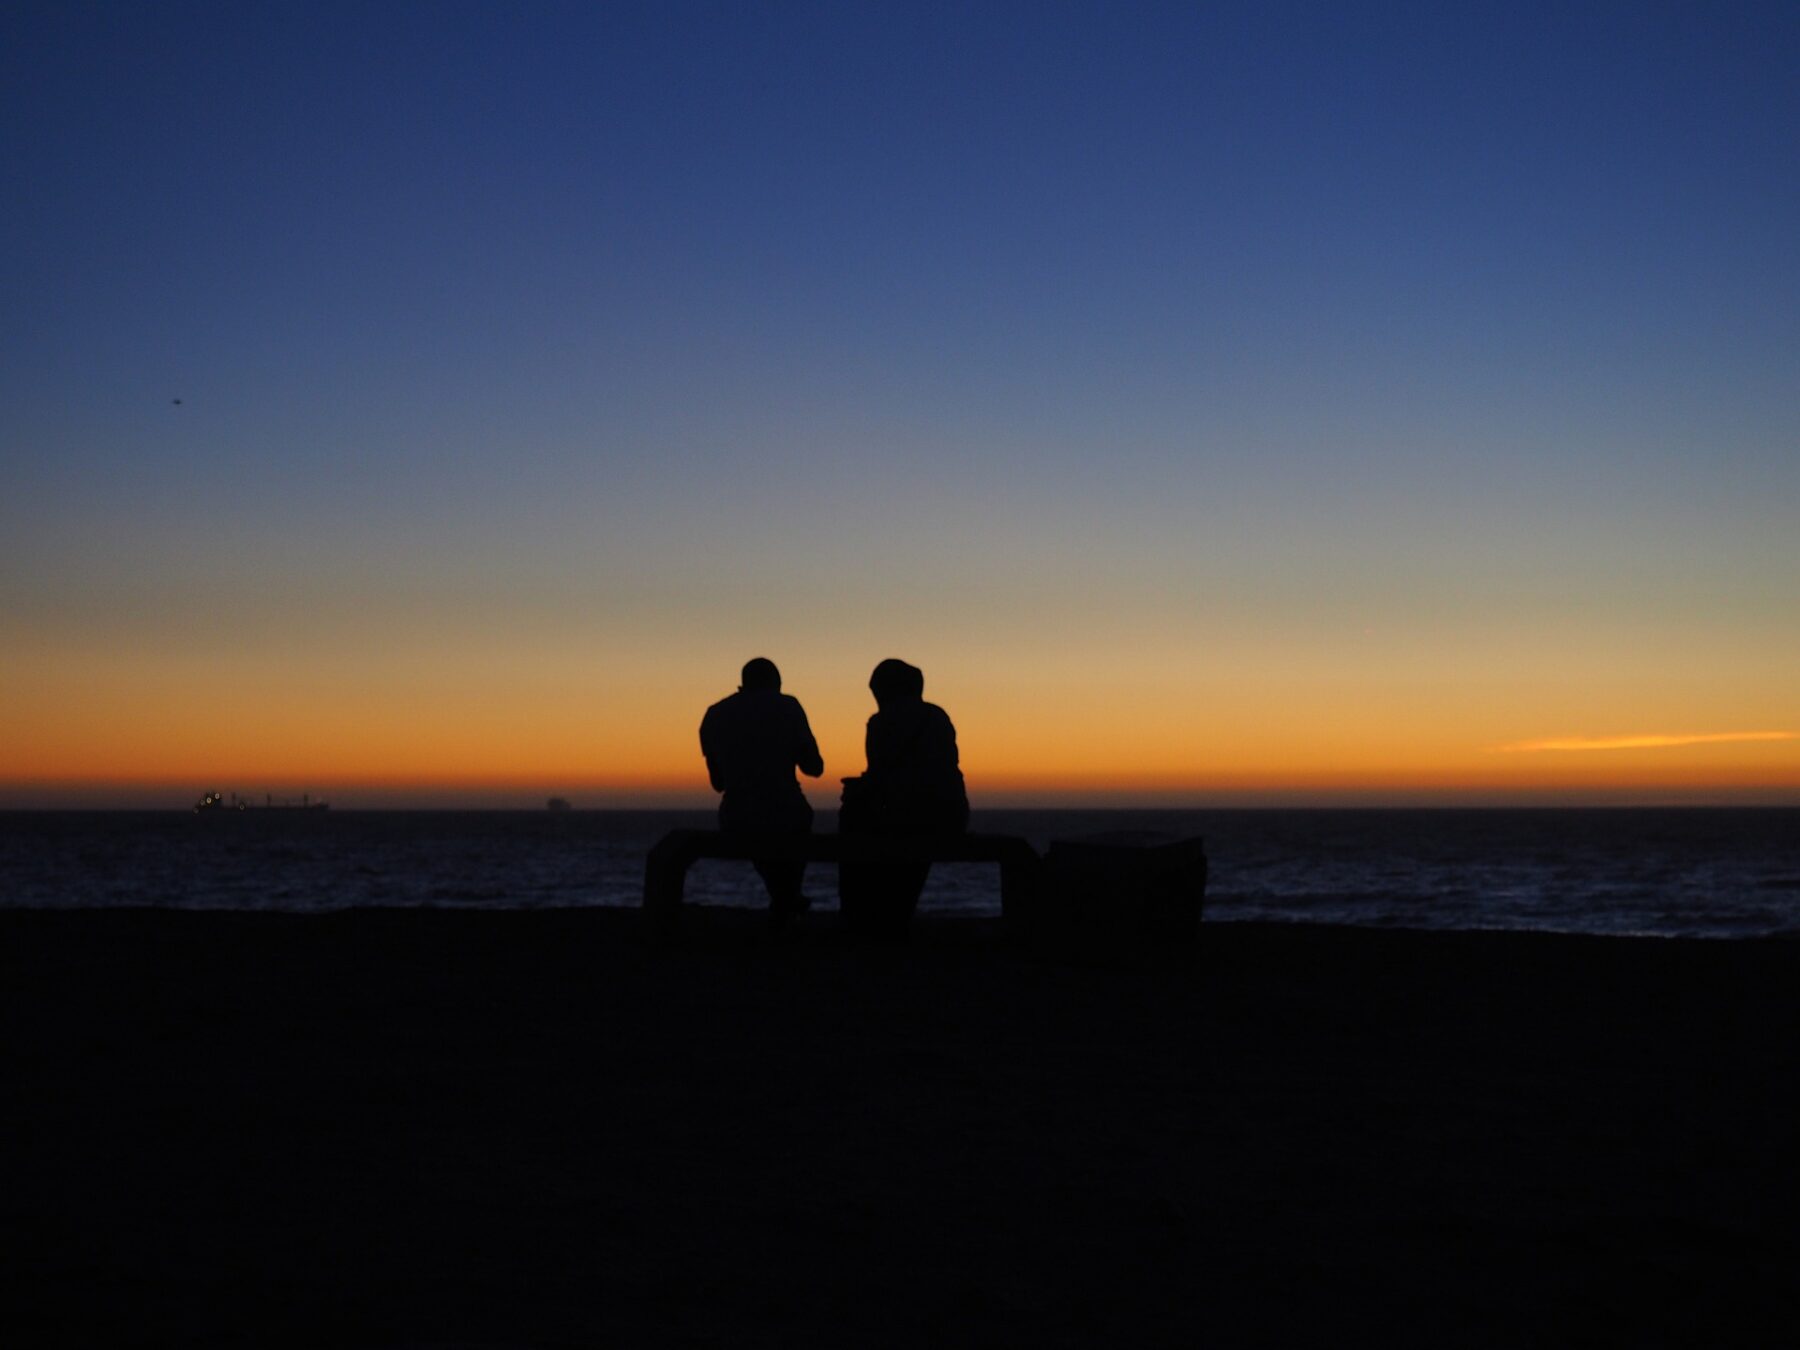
(894, 682)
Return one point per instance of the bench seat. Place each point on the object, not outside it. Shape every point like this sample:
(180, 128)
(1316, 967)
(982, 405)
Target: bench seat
(666, 867)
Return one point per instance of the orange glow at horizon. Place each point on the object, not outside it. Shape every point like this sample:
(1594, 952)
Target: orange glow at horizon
(524, 715)
(654, 755)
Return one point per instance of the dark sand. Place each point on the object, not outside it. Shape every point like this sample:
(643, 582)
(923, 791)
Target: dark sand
(416, 1129)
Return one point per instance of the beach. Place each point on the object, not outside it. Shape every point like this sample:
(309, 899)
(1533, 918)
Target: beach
(486, 1128)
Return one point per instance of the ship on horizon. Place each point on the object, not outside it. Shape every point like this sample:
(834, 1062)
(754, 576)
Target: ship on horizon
(216, 801)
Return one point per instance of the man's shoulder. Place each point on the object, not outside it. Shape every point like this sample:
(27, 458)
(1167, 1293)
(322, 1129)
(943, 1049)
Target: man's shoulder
(753, 701)
(723, 711)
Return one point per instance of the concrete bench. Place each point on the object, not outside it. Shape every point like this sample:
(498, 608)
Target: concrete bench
(1121, 891)
(666, 867)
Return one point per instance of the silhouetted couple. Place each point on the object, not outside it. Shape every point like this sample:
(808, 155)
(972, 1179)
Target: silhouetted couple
(755, 739)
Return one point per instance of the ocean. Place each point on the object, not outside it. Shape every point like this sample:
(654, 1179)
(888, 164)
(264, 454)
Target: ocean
(1699, 872)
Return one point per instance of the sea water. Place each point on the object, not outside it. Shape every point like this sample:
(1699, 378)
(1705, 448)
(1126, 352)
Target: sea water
(1711, 872)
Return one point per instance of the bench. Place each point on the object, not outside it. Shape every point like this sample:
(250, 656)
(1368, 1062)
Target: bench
(666, 867)
(1122, 890)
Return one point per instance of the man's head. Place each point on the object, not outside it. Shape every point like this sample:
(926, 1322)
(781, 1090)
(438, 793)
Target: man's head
(894, 682)
(760, 673)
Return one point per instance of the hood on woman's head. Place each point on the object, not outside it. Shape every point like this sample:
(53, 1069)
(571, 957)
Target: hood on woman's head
(894, 680)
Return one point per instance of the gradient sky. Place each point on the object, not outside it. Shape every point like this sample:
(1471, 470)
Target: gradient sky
(1221, 404)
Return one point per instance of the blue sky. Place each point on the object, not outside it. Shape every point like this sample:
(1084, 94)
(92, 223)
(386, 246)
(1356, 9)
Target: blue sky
(945, 325)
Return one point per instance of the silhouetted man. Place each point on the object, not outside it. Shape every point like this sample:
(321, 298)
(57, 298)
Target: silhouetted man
(913, 786)
(753, 741)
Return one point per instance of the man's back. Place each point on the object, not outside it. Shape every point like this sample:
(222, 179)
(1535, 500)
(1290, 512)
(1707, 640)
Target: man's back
(753, 741)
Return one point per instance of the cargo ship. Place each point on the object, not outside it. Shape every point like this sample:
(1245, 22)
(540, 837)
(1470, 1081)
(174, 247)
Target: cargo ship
(216, 801)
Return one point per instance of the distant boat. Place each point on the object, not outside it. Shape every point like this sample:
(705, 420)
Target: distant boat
(215, 801)
(558, 804)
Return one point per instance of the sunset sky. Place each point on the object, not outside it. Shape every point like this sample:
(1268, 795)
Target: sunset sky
(1222, 404)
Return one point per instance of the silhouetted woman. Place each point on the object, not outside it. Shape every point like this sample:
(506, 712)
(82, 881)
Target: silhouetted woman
(913, 786)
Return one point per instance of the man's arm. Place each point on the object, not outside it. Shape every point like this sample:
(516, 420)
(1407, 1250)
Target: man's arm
(709, 748)
(806, 754)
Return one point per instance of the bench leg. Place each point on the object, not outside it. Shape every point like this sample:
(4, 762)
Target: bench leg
(665, 876)
(1019, 879)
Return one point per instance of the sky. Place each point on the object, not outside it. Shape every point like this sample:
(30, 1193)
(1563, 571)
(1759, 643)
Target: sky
(436, 404)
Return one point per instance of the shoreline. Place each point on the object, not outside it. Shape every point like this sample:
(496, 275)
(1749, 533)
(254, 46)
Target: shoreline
(416, 1127)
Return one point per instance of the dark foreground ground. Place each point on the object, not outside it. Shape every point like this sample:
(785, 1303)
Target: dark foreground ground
(512, 1129)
